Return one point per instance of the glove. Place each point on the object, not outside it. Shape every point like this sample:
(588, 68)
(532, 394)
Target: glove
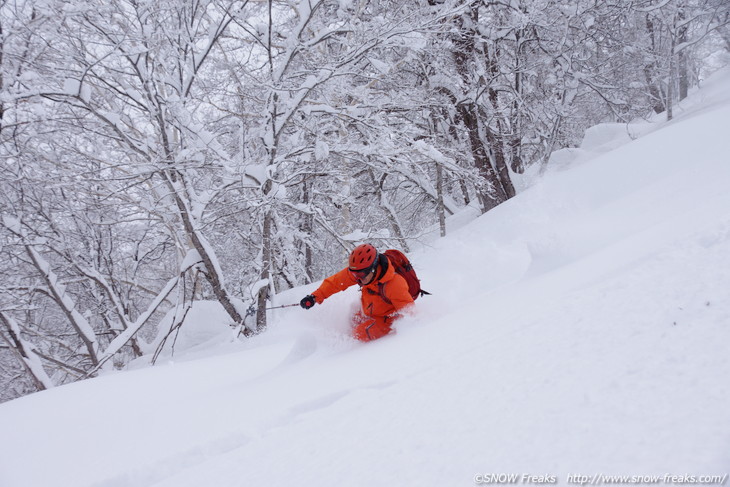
(307, 302)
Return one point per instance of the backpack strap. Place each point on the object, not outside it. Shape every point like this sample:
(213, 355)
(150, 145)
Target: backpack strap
(381, 292)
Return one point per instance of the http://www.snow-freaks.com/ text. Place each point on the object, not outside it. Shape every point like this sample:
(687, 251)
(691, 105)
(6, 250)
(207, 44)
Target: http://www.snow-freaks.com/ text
(599, 479)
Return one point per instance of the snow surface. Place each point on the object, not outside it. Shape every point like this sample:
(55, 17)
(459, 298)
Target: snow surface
(580, 328)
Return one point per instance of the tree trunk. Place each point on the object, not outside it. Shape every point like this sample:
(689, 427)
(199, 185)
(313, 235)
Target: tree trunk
(655, 93)
(493, 194)
(682, 68)
(515, 141)
(307, 229)
(66, 303)
(724, 32)
(496, 140)
(507, 189)
(671, 80)
(266, 274)
(25, 356)
(440, 193)
(212, 272)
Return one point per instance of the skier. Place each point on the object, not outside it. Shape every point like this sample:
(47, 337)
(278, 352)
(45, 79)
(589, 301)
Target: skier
(384, 292)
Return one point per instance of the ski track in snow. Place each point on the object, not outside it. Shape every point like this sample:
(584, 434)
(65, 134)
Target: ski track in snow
(178, 464)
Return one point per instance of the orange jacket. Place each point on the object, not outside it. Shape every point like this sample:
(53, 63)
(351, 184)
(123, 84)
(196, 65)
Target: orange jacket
(391, 285)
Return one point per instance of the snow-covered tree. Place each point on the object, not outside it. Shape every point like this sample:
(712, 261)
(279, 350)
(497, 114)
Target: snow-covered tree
(156, 154)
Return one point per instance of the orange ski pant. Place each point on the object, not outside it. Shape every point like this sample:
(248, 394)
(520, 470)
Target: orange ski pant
(366, 328)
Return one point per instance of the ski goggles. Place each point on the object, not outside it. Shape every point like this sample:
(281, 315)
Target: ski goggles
(361, 274)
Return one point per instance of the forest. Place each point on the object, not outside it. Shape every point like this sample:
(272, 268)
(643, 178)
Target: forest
(154, 154)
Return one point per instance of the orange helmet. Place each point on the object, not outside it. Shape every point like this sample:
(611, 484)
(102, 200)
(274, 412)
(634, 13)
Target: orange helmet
(363, 257)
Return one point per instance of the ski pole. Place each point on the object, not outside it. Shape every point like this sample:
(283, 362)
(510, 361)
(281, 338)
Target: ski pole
(283, 306)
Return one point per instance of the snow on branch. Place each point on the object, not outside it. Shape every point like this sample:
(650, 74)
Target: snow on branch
(26, 351)
(124, 337)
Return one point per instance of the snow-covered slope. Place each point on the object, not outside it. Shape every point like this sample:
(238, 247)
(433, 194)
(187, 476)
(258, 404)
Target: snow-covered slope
(580, 328)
